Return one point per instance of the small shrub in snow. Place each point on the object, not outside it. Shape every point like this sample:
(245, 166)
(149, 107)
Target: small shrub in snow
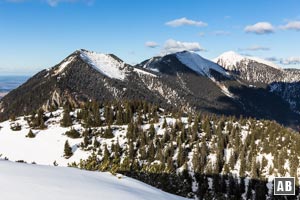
(73, 133)
(15, 127)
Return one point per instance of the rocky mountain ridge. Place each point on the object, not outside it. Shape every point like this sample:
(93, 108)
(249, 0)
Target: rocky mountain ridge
(183, 81)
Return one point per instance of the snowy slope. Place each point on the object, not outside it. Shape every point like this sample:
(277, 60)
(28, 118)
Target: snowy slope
(230, 59)
(45, 148)
(105, 64)
(198, 64)
(34, 182)
(64, 64)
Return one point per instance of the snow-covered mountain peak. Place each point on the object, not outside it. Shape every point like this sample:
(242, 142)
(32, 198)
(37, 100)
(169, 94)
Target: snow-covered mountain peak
(230, 60)
(197, 63)
(106, 64)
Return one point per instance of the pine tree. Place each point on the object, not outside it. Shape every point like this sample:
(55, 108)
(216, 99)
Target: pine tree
(254, 169)
(195, 160)
(96, 143)
(190, 119)
(130, 129)
(117, 149)
(242, 164)
(152, 132)
(67, 150)
(30, 134)
(119, 117)
(105, 153)
(151, 152)
(85, 141)
(108, 133)
(164, 125)
(194, 131)
(66, 120)
(180, 157)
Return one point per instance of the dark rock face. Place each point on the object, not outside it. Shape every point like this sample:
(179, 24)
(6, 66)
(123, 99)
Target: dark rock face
(165, 81)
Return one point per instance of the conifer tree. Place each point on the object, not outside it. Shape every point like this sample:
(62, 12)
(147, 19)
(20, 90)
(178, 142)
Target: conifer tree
(85, 141)
(151, 152)
(66, 120)
(195, 160)
(152, 132)
(180, 157)
(96, 143)
(119, 118)
(170, 165)
(108, 133)
(30, 134)
(164, 125)
(105, 153)
(67, 150)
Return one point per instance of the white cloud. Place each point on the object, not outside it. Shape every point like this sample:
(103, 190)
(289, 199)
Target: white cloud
(260, 28)
(184, 21)
(56, 2)
(173, 46)
(255, 48)
(151, 44)
(293, 25)
(290, 61)
(218, 33)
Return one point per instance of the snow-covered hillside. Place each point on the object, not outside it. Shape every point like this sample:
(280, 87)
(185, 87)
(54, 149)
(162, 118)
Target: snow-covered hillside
(230, 60)
(105, 64)
(256, 69)
(34, 182)
(46, 148)
(176, 154)
(198, 64)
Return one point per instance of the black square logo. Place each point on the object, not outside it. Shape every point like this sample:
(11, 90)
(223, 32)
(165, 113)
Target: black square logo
(284, 186)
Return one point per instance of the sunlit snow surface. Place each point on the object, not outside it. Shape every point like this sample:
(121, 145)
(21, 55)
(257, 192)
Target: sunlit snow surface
(34, 182)
(198, 64)
(105, 64)
(230, 59)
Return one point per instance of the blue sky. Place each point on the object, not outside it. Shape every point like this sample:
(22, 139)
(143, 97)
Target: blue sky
(37, 34)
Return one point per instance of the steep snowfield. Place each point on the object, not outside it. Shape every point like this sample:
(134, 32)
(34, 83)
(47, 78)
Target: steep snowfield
(230, 59)
(198, 64)
(105, 64)
(34, 182)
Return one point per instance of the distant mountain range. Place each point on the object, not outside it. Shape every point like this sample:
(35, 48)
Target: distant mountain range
(232, 85)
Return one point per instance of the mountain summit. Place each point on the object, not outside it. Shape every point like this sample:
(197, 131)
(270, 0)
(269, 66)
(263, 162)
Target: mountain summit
(230, 61)
(183, 59)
